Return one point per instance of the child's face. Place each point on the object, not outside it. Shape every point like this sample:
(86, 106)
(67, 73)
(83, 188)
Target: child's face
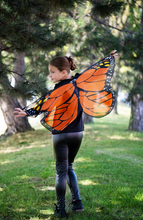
(55, 74)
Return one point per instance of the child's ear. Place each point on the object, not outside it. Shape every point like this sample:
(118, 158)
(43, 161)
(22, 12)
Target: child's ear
(64, 72)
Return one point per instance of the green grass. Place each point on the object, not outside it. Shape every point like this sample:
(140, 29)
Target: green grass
(109, 167)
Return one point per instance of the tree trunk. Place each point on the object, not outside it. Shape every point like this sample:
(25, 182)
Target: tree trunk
(87, 118)
(8, 104)
(14, 125)
(115, 109)
(136, 119)
(19, 67)
(116, 88)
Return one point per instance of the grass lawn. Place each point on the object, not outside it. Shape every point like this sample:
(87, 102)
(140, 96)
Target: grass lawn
(109, 167)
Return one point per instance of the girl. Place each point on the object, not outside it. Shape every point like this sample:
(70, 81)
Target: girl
(67, 142)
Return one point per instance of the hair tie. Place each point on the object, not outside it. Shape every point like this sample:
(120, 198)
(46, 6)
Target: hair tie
(71, 62)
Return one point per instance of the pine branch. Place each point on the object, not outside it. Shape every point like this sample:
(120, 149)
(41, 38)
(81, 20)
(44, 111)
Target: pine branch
(26, 80)
(102, 22)
(135, 3)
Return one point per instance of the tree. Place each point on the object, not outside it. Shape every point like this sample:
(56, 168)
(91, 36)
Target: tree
(131, 35)
(26, 25)
(135, 42)
(126, 32)
(8, 103)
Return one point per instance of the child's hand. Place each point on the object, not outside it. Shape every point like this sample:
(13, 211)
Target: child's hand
(114, 54)
(19, 112)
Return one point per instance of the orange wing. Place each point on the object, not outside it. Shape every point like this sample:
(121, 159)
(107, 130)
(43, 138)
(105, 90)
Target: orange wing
(96, 96)
(61, 107)
(97, 104)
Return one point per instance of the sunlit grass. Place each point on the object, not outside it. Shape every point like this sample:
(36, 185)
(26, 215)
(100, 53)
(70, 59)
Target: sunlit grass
(108, 167)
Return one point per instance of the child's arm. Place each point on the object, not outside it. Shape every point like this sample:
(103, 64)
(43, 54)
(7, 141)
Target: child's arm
(114, 54)
(19, 113)
(34, 109)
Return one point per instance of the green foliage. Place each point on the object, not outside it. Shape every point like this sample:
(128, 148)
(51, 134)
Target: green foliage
(105, 8)
(133, 52)
(33, 27)
(108, 167)
(29, 23)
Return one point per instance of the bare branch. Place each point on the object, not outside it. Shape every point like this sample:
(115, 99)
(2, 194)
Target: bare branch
(102, 22)
(137, 4)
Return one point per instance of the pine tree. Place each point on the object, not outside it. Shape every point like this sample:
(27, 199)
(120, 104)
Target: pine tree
(135, 44)
(26, 25)
(130, 28)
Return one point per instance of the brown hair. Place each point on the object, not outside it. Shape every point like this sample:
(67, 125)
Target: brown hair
(63, 63)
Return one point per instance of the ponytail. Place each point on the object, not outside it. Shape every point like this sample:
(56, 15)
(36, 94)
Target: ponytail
(72, 63)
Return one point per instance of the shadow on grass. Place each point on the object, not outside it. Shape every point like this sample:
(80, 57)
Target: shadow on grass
(9, 214)
(26, 199)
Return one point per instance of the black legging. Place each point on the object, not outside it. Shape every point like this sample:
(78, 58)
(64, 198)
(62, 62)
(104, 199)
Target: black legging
(66, 146)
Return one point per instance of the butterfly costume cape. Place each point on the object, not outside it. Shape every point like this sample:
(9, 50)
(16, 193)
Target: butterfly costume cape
(91, 89)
